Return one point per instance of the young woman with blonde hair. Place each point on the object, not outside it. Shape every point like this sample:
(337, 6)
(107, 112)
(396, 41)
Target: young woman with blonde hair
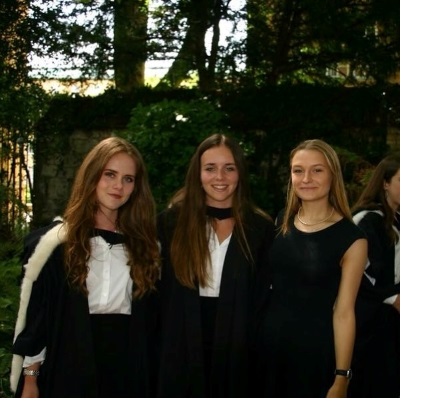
(316, 262)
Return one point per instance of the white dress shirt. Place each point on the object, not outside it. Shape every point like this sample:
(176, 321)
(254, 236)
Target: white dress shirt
(217, 257)
(109, 283)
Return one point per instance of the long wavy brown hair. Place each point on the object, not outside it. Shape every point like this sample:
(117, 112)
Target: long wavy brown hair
(136, 219)
(189, 247)
(337, 193)
(373, 197)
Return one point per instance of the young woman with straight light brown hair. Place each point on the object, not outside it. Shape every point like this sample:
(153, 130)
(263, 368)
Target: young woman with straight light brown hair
(213, 242)
(316, 262)
(87, 313)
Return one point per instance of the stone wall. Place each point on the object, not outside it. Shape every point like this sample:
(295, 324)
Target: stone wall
(55, 168)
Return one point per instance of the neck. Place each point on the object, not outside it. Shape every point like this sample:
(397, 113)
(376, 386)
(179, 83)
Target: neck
(393, 206)
(314, 221)
(219, 213)
(103, 221)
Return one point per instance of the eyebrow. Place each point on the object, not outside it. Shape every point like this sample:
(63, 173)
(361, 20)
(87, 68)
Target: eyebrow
(312, 166)
(214, 163)
(115, 171)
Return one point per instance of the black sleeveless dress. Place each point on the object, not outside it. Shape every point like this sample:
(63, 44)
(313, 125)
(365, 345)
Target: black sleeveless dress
(297, 332)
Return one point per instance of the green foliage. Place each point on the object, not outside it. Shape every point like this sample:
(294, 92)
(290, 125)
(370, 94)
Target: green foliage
(167, 134)
(356, 171)
(21, 106)
(9, 300)
(286, 41)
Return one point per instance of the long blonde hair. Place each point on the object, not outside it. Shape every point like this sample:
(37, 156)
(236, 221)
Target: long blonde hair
(136, 219)
(337, 192)
(189, 247)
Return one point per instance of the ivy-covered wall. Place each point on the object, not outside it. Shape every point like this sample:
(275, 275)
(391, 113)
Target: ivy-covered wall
(362, 123)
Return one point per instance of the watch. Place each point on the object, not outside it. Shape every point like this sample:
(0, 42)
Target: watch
(31, 372)
(344, 372)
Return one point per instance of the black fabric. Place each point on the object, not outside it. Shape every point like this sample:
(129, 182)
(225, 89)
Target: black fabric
(110, 334)
(182, 366)
(58, 318)
(297, 340)
(219, 213)
(208, 329)
(376, 358)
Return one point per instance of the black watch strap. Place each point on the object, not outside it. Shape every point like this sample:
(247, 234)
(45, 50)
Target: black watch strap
(344, 372)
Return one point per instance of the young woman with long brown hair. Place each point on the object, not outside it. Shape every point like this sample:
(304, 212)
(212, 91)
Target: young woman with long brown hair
(87, 311)
(376, 362)
(213, 242)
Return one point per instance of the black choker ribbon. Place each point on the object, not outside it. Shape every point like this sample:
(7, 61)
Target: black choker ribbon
(219, 213)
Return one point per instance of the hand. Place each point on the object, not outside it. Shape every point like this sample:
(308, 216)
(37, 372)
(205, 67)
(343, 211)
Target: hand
(30, 387)
(396, 303)
(339, 388)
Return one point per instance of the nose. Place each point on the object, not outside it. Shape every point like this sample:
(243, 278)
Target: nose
(307, 176)
(118, 183)
(219, 174)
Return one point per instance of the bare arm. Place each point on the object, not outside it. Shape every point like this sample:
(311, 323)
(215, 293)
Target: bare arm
(397, 303)
(31, 388)
(353, 264)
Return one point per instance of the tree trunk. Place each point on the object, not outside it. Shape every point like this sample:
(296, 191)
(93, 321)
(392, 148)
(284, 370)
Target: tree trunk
(130, 43)
(202, 14)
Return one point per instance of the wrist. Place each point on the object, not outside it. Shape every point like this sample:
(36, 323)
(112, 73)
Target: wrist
(34, 373)
(343, 374)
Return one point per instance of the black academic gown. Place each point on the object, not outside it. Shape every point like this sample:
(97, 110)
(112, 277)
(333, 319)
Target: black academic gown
(182, 358)
(376, 358)
(58, 318)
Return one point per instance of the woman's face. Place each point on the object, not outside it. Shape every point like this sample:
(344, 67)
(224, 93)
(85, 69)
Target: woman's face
(219, 176)
(117, 182)
(311, 176)
(393, 191)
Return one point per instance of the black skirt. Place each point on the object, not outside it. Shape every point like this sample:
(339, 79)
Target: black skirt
(111, 335)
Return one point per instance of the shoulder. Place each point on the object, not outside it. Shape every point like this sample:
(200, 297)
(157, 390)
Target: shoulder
(280, 217)
(346, 232)
(166, 223)
(259, 219)
(33, 238)
(169, 215)
(42, 248)
(365, 215)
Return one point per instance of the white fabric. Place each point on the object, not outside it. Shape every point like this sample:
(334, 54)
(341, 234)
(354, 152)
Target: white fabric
(34, 359)
(42, 252)
(109, 284)
(217, 257)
